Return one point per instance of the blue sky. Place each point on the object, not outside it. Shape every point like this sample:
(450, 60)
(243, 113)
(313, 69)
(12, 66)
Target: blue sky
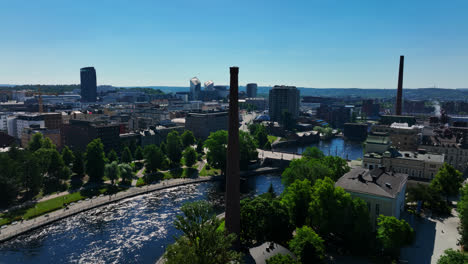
(323, 43)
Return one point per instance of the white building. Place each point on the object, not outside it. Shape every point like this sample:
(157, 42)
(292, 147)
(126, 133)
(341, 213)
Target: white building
(209, 86)
(195, 87)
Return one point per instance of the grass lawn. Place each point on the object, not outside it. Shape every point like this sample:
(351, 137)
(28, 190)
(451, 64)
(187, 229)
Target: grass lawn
(271, 138)
(140, 182)
(54, 204)
(209, 172)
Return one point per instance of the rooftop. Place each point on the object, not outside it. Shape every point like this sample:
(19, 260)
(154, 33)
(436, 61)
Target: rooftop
(377, 182)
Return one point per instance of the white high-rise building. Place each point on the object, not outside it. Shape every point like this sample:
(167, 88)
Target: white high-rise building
(195, 88)
(209, 86)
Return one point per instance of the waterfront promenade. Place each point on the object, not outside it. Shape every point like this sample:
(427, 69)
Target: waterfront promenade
(13, 230)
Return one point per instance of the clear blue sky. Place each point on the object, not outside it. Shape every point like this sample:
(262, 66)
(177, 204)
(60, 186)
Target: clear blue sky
(309, 43)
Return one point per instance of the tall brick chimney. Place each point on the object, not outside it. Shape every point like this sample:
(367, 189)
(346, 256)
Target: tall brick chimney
(400, 87)
(232, 216)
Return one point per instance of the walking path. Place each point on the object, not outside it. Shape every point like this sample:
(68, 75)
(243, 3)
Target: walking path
(10, 231)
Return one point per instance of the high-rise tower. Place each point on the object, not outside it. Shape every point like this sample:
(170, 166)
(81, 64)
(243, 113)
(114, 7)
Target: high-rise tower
(88, 84)
(232, 169)
(195, 88)
(251, 90)
(400, 87)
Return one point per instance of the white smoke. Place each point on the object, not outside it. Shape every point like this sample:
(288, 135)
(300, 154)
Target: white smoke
(437, 108)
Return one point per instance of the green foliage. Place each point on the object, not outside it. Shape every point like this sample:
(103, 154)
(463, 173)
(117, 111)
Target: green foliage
(174, 147)
(431, 198)
(154, 158)
(216, 144)
(112, 172)
(447, 181)
(307, 246)
(393, 234)
(78, 163)
(451, 256)
(188, 139)
(47, 143)
(267, 146)
(126, 156)
(261, 136)
(247, 150)
(190, 156)
(264, 220)
(202, 242)
(67, 156)
(296, 199)
(281, 259)
(199, 146)
(139, 153)
(126, 172)
(310, 169)
(32, 178)
(313, 153)
(462, 208)
(10, 183)
(330, 212)
(36, 142)
(95, 160)
(112, 156)
(337, 165)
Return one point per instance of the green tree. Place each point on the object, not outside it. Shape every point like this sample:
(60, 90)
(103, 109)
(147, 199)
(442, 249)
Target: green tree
(112, 172)
(190, 156)
(153, 158)
(216, 144)
(174, 147)
(67, 156)
(112, 156)
(264, 220)
(337, 165)
(296, 198)
(447, 181)
(313, 153)
(333, 211)
(304, 168)
(247, 150)
(261, 136)
(200, 146)
(126, 172)
(267, 146)
(393, 234)
(126, 156)
(202, 241)
(139, 153)
(307, 246)
(47, 143)
(10, 182)
(32, 177)
(462, 209)
(281, 259)
(187, 138)
(451, 256)
(78, 164)
(36, 142)
(95, 160)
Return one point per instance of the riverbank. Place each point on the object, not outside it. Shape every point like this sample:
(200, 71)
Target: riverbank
(11, 231)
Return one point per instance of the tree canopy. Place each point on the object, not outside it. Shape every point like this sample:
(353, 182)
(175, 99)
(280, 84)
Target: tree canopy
(188, 139)
(308, 246)
(174, 147)
(447, 181)
(126, 156)
(95, 160)
(154, 158)
(393, 234)
(67, 156)
(190, 156)
(112, 172)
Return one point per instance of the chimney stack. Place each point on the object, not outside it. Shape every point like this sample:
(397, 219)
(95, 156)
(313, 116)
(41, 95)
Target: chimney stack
(400, 87)
(232, 216)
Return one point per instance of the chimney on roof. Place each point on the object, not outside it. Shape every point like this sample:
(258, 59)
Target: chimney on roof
(400, 87)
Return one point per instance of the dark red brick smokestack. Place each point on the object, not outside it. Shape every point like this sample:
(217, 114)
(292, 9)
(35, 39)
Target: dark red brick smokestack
(232, 216)
(400, 87)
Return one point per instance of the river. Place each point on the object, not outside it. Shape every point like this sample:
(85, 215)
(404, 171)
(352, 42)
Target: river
(134, 230)
(336, 147)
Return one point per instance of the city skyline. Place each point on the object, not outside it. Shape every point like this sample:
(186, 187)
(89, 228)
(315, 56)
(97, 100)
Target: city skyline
(307, 44)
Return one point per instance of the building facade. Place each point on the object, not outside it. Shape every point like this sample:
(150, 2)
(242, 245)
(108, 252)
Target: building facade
(383, 191)
(202, 124)
(283, 99)
(195, 88)
(88, 84)
(251, 90)
(78, 133)
(403, 137)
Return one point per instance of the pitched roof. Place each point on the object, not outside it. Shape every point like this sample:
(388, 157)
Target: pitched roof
(376, 182)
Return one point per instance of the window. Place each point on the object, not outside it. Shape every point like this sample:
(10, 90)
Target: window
(377, 209)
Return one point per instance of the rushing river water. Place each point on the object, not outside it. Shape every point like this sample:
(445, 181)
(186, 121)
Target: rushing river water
(336, 147)
(134, 230)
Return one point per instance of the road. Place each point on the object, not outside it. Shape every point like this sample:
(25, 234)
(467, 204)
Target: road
(247, 118)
